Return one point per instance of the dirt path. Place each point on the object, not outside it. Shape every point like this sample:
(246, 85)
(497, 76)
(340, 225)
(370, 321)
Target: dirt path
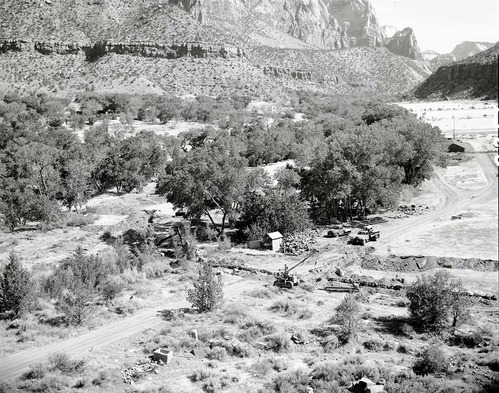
(453, 201)
(15, 365)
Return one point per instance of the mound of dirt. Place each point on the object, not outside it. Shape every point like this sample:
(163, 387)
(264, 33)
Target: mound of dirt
(420, 263)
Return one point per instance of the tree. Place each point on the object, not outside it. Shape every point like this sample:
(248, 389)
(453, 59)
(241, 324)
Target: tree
(434, 299)
(269, 210)
(210, 176)
(16, 289)
(348, 316)
(75, 304)
(207, 293)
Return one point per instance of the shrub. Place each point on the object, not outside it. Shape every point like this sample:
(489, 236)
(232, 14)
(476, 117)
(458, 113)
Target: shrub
(279, 342)
(260, 293)
(62, 362)
(200, 375)
(434, 299)
(430, 361)
(101, 378)
(217, 353)
(234, 313)
(373, 345)
(265, 366)
(264, 327)
(156, 269)
(37, 371)
(112, 287)
(418, 384)
(286, 306)
(292, 381)
(330, 343)
(207, 293)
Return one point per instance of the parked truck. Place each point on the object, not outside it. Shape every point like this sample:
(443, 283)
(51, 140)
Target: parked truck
(365, 235)
(339, 230)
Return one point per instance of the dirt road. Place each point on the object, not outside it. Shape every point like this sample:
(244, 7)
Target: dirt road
(453, 201)
(15, 365)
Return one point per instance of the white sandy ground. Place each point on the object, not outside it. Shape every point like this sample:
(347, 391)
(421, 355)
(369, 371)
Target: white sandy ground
(465, 116)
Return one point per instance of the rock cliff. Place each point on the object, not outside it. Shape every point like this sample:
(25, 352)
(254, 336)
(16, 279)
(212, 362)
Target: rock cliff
(144, 49)
(404, 43)
(473, 77)
(326, 24)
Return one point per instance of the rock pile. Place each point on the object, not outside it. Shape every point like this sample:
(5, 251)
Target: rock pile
(134, 373)
(299, 242)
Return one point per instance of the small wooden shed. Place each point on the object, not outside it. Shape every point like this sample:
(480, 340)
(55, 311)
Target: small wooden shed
(457, 147)
(276, 240)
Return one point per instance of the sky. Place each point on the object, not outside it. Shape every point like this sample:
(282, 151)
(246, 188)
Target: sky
(440, 25)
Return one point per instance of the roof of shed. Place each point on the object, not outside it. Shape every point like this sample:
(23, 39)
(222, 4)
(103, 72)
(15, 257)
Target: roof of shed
(274, 235)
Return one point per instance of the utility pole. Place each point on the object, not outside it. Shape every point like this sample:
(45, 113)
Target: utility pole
(454, 131)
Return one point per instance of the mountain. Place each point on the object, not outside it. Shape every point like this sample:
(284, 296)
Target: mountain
(468, 48)
(472, 77)
(201, 47)
(429, 55)
(404, 43)
(461, 51)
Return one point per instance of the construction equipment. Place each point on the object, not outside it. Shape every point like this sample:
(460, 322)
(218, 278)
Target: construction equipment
(366, 234)
(285, 280)
(342, 287)
(339, 230)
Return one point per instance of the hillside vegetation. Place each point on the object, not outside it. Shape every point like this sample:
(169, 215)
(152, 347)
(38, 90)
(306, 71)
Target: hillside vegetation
(473, 77)
(61, 47)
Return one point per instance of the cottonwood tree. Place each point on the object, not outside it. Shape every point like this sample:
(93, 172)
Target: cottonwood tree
(16, 289)
(207, 293)
(210, 176)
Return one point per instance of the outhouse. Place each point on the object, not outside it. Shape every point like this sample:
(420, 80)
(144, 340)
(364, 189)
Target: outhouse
(276, 240)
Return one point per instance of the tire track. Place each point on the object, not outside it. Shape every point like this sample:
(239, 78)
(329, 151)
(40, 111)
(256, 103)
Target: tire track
(14, 365)
(453, 200)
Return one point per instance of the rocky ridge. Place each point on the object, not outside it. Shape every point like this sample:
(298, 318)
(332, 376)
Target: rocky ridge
(473, 77)
(103, 48)
(460, 52)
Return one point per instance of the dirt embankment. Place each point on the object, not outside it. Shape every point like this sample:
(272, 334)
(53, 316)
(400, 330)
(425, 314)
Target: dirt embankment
(420, 263)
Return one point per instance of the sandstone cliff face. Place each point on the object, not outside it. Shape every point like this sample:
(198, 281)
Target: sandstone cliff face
(358, 19)
(473, 77)
(404, 43)
(144, 49)
(330, 24)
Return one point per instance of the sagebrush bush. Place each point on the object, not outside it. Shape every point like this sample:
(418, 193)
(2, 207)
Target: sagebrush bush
(36, 371)
(217, 353)
(260, 293)
(431, 360)
(278, 342)
(373, 345)
(201, 375)
(286, 306)
(330, 343)
(62, 362)
(291, 381)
